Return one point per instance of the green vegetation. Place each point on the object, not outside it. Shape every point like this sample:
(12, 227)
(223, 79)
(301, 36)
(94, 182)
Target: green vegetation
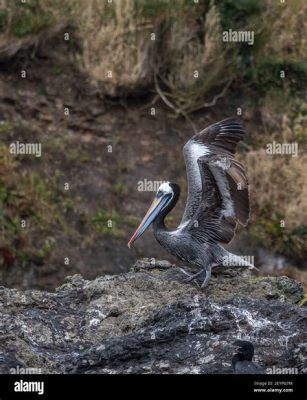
(5, 127)
(39, 198)
(21, 19)
(107, 223)
(112, 224)
(3, 20)
(120, 189)
(270, 234)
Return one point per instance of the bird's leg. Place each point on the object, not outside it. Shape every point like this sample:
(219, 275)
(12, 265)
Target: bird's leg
(194, 276)
(185, 272)
(207, 278)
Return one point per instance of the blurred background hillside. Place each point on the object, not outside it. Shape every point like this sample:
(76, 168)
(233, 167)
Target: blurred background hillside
(112, 91)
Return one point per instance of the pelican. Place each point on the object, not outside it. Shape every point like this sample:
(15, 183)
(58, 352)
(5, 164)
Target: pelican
(217, 201)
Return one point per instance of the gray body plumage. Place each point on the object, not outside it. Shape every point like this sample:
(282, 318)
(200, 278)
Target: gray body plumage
(193, 252)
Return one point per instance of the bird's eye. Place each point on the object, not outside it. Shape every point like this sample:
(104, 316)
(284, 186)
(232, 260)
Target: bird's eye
(159, 193)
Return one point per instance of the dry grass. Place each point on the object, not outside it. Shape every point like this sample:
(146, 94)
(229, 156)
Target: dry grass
(117, 37)
(280, 182)
(278, 193)
(287, 30)
(192, 62)
(284, 118)
(114, 40)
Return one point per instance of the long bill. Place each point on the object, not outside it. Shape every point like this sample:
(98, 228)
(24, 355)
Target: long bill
(152, 213)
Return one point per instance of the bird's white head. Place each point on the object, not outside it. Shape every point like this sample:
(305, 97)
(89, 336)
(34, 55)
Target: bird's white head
(165, 188)
(162, 198)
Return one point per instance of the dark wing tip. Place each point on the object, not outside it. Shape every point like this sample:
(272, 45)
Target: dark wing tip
(229, 121)
(223, 136)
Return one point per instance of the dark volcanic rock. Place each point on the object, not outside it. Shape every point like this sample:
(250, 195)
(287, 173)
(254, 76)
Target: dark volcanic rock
(150, 321)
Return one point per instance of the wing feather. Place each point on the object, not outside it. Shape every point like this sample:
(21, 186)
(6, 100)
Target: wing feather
(217, 184)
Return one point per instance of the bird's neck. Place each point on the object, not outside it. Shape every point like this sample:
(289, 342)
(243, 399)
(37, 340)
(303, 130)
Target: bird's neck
(159, 223)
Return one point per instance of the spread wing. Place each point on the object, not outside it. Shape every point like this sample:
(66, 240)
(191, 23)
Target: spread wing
(217, 183)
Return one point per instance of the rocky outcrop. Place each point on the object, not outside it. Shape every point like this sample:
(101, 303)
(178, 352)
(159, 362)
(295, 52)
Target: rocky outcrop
(150, 321)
